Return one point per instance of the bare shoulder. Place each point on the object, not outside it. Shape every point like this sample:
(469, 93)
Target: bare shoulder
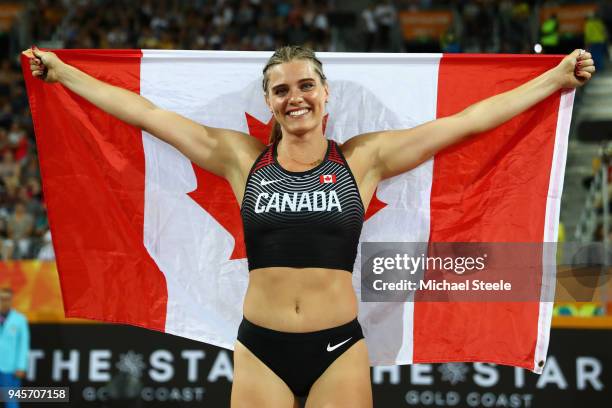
(241, 150)
(360, 152)
(360, 147)
(245, 145)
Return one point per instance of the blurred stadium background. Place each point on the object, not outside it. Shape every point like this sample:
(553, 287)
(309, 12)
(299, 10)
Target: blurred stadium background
(109, 365)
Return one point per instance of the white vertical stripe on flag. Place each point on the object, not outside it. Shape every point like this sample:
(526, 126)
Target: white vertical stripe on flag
(367, 93)
(551, 227)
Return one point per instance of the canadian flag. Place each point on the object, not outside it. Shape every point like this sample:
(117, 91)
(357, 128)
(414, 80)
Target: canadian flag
(144, 237)
(327, 178)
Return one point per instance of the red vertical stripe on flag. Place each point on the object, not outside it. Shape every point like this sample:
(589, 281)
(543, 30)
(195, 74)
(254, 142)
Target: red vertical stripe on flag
(93, 173)
(491, 188)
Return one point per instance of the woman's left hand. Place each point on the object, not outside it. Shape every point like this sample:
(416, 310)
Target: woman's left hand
(575, 69)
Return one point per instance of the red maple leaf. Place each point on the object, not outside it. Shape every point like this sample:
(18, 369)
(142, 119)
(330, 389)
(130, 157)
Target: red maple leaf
(215, 196)
(375, 206)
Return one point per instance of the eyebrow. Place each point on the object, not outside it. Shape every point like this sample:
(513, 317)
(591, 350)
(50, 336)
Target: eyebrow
(300, 81)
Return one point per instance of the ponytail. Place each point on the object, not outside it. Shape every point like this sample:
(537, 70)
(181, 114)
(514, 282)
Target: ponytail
(276, 134)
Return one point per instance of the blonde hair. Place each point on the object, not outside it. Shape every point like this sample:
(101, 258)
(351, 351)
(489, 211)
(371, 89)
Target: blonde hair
(284, 54)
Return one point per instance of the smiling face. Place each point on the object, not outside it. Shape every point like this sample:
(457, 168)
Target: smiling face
(296, 96)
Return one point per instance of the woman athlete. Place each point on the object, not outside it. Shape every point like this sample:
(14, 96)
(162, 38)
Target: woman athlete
(303, 200)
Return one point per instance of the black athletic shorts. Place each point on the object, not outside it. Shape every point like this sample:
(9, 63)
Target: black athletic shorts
(299, 359)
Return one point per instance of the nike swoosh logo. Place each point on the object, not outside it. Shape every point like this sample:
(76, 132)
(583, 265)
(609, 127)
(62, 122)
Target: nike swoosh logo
(332, 348)
(266, 182)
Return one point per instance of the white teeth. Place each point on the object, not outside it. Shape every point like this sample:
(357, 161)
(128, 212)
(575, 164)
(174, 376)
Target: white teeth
(298, 112)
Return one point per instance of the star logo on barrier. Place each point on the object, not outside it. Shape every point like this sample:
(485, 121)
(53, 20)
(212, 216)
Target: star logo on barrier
(214, 194)
(454, 372)
(131, 363)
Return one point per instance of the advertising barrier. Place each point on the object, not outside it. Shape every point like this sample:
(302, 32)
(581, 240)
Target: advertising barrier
(111, 365)
(424, 25)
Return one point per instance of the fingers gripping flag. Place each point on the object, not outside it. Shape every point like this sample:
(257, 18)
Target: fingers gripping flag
(145, 237)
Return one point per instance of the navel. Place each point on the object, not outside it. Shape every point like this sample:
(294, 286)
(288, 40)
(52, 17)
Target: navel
(297, 307)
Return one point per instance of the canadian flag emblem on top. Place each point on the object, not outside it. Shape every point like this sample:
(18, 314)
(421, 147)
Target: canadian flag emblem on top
(327, 178)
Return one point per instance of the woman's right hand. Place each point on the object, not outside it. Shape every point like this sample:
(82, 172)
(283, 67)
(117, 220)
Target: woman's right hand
(43, 64)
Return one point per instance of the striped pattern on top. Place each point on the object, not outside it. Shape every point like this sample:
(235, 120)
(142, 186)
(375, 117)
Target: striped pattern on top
(302, 219)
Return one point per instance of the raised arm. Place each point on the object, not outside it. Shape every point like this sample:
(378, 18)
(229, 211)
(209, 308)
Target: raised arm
(220, 151)
(393, 152)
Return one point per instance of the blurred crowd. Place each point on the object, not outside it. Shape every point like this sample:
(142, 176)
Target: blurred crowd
(506, 26)
(478, 26)
(182, 24)
(24, 229)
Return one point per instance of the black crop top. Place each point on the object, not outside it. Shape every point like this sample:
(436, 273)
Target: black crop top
(302, 219)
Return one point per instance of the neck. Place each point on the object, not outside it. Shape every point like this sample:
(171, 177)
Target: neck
(304, 149)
